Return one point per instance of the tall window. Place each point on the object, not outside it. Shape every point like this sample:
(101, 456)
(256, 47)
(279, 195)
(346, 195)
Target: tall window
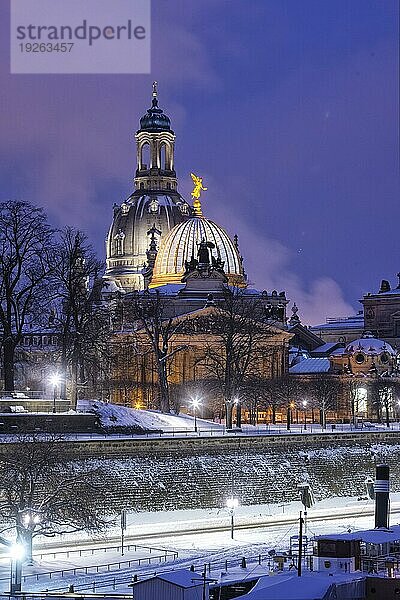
(145, 156)
(163, 157)
(119, 243)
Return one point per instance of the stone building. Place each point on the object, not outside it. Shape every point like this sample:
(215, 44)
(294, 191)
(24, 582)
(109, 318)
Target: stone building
(365, 372)
(154, 206)
(380, 316)
(159, 243)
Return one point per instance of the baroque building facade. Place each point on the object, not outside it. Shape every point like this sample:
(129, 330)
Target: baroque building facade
(158, 243)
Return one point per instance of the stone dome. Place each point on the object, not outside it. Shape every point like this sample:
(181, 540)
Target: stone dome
(128, 240)
(369, 346)
(181, 244)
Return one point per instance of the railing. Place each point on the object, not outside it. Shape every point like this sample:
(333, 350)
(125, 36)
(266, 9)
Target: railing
(95, 569)
(215, 566)
(92, 551)
(260, 430)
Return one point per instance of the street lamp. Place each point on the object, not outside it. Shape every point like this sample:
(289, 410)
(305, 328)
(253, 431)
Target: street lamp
(289, 419)
(55, 381)
(305, 413)
(238, 406)
(232, 504)
(195, 405)
(17, 553)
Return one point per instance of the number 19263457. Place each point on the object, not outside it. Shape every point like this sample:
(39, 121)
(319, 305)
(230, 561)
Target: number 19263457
(46, 47)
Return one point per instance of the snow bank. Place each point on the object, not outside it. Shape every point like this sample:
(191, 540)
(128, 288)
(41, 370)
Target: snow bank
(113, 417)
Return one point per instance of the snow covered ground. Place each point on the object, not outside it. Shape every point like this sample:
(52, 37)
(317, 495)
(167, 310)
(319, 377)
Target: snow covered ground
(112, 415)
(186, 532)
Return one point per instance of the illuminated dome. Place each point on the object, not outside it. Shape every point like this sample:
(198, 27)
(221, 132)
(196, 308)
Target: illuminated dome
(128, 240)
(181, 244)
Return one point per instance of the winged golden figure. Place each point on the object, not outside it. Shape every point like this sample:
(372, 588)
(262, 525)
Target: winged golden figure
(198, 186)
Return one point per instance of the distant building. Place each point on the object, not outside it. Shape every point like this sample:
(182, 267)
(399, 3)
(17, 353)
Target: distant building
(380, 316)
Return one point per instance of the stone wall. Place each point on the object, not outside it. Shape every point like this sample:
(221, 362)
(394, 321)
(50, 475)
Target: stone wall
(166, 474)
(176, 474)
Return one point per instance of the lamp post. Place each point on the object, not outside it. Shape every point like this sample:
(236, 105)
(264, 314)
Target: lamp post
(305, 413)
(195, 405)
(238, 406)
(17, 552)
(55, 382)
(290, 408)
(232, 504)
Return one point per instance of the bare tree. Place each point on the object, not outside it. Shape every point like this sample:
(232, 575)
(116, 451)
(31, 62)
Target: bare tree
(26, 256)
(46, 489)
(325, 390)
(384, 391)
(150, 316)
(240, 350)
(83, 325)
(286, 391)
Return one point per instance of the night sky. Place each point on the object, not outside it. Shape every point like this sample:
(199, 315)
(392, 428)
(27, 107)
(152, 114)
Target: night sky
(287, 108)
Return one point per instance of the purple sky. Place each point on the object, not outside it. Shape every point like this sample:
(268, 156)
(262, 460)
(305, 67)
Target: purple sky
(287, 108)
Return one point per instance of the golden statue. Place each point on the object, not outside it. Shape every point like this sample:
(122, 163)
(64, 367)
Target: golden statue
(198, 188)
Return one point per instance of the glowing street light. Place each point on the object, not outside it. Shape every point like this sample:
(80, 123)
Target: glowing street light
(30, 519)
(305, 413)
(232, 504)
(55, 381)
(195, 405)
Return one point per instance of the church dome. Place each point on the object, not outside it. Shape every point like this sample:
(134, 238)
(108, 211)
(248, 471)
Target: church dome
(181, 244)
(155, 119)
(128, 240)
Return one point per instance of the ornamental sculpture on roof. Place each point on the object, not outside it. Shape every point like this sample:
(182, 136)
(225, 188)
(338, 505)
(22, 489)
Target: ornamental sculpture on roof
(198, 188)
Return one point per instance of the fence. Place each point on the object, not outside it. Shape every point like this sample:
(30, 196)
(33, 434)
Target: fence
(94, 569)
(92, 551)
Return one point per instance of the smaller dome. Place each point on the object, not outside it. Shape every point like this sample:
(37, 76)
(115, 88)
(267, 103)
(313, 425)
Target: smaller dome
(155, 119)
(181, 244)
(369, 345)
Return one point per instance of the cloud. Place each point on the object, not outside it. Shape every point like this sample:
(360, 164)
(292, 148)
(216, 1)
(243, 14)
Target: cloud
(272, 266)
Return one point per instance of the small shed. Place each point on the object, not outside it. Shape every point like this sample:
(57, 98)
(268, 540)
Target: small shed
(174, 585)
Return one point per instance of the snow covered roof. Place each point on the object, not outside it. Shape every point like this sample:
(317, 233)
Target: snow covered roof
(353, 322)
(370, 536)
(394, 292)
(169, 289)
(311, 365)
(312, 586)
(327, 348)
(182, 578)
(369, 345)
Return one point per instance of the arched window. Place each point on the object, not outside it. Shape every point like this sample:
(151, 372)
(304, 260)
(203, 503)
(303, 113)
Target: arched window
(145, 156)
(119, 243)
(163, 157)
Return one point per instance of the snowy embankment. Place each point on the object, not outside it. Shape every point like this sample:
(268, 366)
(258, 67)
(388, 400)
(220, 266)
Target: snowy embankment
(116, 418)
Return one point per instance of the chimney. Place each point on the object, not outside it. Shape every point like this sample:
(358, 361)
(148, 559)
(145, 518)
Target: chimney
(382, 497)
